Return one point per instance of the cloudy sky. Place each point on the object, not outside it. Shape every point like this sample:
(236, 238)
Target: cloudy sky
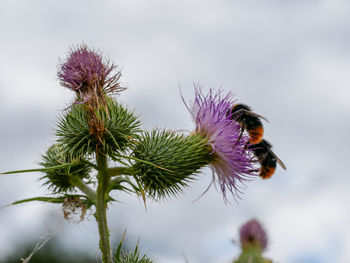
(289, 60)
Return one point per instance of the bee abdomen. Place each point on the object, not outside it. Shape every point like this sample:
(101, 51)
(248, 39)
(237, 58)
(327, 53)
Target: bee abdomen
(256, 135)
(268, 166)
(266, 172)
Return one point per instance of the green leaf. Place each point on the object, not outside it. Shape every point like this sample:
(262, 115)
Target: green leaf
(55, 200)
(43, 169)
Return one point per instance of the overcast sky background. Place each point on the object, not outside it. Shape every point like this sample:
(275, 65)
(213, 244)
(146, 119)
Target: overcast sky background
(289, 60)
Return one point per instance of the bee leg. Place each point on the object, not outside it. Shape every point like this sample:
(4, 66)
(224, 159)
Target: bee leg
(240, 136)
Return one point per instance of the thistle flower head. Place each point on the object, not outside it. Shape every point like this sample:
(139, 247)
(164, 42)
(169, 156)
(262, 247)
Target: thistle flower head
(232, 162)
(86, 72)
(252, 234)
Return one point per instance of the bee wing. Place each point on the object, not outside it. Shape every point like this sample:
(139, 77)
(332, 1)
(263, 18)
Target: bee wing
(257, 115)
(278, 160)
(251, 114)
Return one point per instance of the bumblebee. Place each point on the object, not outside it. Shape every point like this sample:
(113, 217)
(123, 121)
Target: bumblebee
(251, 122)
(266, 158)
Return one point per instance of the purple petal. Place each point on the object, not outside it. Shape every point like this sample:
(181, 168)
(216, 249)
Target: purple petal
(252, 234)
(232, 161)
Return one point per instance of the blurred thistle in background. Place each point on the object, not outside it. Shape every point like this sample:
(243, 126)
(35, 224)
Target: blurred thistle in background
(253, 240)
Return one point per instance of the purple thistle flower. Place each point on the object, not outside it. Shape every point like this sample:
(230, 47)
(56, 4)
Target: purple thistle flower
(252, 234)
(85, 72)
(232, 162)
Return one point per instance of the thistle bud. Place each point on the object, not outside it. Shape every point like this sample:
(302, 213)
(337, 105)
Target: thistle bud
(59, 180)
(167, 161)
(121, 256)
(119, 127)
(252, 234)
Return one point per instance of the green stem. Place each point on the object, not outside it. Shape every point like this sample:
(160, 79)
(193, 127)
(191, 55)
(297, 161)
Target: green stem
(90, 193)
(114, 171)
(101, 207)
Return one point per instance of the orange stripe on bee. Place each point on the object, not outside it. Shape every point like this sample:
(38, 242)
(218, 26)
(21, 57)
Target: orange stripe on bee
(267, 172)
(256, 135)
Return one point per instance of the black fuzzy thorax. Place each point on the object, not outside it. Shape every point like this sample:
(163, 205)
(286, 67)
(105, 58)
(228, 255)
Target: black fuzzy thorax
(240, 113)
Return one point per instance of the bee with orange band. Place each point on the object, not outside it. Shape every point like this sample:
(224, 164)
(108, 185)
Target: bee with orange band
(251, 123)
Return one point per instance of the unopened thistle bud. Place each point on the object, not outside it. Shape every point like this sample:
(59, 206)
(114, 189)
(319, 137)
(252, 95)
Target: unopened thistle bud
(120, 127)
(168, 161)
(60, 180)
(231, 161)
(253, 235)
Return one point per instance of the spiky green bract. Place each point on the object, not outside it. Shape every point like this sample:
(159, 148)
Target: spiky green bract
(59, 180)
(119, 127)
(131, 257)
(176, 159)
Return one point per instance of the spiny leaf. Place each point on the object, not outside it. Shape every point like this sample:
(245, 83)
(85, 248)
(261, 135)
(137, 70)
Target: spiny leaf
(55, 200)
(48, 199)
(43, 169)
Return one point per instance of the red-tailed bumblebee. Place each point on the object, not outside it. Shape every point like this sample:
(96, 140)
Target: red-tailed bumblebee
(266, 158)
(250, 122)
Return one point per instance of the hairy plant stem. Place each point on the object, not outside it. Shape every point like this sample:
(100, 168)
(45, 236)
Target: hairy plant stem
(115, 171)
(90, 193)
(101, 207)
